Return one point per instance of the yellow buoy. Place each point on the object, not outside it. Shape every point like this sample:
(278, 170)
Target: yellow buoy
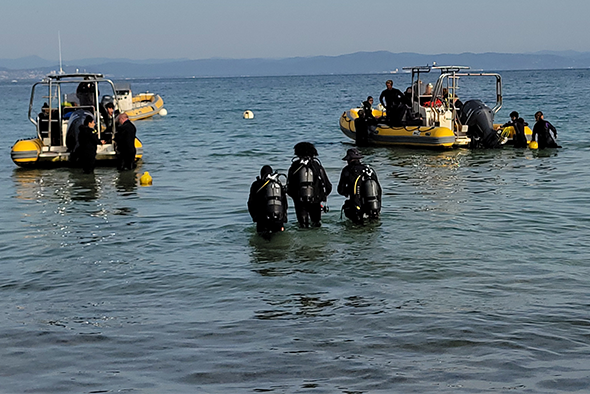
(145, 179)
(248, 114)
(534, 145)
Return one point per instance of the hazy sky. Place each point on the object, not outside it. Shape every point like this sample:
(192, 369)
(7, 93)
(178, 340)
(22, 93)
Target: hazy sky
(198, 29)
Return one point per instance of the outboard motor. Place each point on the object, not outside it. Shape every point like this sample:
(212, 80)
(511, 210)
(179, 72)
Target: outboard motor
(480, 121)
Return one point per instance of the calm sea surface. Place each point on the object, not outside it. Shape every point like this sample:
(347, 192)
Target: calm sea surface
(475, 280)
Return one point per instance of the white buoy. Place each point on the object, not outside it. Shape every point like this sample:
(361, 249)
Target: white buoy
(163, 112)
(248, 114)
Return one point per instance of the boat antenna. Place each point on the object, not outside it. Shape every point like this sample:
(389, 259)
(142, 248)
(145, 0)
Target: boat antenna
(61, 71)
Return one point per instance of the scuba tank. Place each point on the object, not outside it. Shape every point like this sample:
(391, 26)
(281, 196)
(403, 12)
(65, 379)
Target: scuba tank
(368, 190)
(305, 179)
(274, 195)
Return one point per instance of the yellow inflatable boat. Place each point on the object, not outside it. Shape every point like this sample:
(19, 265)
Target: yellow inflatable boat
(140, 106)
(434, 136)
(434, 120)
(64, 106)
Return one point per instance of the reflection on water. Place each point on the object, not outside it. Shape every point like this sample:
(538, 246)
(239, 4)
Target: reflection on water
(126, 182)
(84, 186)
(70, 184)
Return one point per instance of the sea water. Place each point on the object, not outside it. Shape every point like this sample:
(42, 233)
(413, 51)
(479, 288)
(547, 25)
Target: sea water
(475, 279)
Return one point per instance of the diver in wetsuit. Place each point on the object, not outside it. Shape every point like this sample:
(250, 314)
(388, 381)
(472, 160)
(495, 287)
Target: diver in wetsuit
(361, 129)
(518, 123)
(87, 142)
(360, 184)
(365, 124)
(544, 132)
(308, 185)
(125, 142)
(368, 110)
(267, 202)
(109, 115)
(394, 102)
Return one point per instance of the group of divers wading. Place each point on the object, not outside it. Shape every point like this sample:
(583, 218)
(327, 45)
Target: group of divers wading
(308, 185)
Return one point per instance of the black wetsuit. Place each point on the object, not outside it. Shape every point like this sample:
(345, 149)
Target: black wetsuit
(268, 219)
(542, 134)
(519, 139)
(86, 150)
(349, 186)
(308, 196)
(361, 128)
(108, 121)
(394, 102)
(125, 144)
(368, 110)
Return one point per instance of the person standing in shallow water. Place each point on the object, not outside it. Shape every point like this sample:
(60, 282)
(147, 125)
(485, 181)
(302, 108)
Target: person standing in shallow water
(519, 124)
(125, 142)
(267, 202)
(87, 142)
(308, 185)
(544, 132)
(360, 184)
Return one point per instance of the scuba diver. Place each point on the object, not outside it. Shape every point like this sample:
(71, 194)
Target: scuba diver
(360, 184)
(518, 123)
(394, 102)
(361, 129)
(87, 142)
(76, 121)
(368, 111)
(267, 202)
(544, 132)
(125, 142)
(365, 124)
(308, 185)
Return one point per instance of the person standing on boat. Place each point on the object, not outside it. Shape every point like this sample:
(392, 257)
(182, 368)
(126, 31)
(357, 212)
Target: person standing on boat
(360, 184)
(519, 124)
(87, 142)
(308, 185)
(394, 102)
(267, 202)
(125, 142)
(86, 94)
(544, 132)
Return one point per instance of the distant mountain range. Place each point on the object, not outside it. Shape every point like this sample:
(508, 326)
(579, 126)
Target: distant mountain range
(34, 67)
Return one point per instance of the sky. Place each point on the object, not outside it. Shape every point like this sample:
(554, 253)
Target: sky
(237, 29)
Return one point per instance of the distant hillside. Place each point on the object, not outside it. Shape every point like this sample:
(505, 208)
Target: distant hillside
(355, 63)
